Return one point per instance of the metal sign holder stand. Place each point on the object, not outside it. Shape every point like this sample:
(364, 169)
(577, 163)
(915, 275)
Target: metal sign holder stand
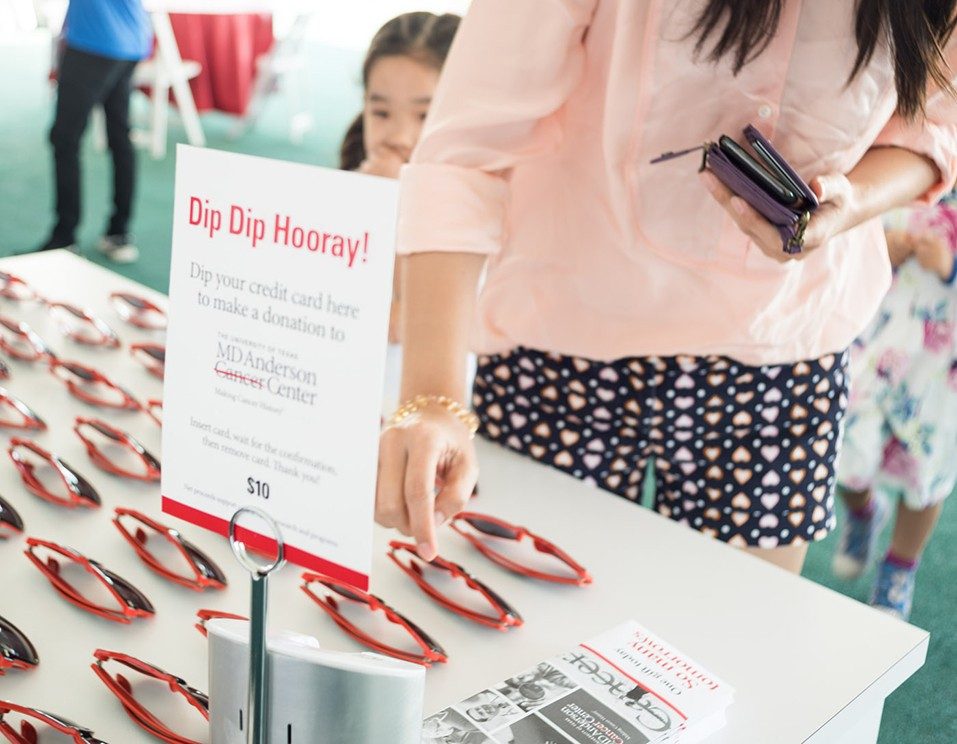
(257, 723)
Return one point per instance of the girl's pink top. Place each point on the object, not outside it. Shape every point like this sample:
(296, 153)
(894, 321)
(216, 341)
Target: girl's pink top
(537, 148)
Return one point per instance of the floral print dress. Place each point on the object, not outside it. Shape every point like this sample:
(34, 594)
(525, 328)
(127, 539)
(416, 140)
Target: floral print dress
(901, 428)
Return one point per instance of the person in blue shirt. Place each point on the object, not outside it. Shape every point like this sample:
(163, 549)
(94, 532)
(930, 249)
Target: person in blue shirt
(104, 41)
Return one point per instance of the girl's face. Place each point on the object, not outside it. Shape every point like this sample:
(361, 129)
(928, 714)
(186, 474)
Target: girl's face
(398, 95)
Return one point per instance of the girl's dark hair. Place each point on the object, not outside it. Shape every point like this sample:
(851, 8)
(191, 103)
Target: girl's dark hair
(425, 37)
(915, 31)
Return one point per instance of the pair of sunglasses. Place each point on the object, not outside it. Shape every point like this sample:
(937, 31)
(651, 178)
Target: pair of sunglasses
(11, 523)
(82, 326)
(336, 591)
(14, 288)
(478, 528)
(194, 569)
(20, 724)
(15, 414)
(21, 342)
(115, 451)
(92, 386)
(51, 559)
(16, 650)
(503, 616)
(36, 466)
(122, 673)
(151, 356)
(138, 311)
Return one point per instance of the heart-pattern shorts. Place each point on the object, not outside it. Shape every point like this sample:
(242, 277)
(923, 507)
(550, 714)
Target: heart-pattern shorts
(744, 454)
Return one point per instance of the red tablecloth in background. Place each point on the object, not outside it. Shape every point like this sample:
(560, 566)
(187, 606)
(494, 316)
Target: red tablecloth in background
(227, 47)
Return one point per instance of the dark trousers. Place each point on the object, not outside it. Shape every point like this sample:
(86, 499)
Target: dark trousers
(87, 80)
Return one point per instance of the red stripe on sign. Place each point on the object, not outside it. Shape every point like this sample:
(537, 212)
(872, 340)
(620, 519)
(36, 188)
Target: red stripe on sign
(643, 687)
(266, 545)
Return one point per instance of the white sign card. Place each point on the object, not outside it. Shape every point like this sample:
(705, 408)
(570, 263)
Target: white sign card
(280, 290)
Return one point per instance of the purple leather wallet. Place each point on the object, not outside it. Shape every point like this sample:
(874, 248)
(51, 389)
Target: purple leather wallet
(761, 177)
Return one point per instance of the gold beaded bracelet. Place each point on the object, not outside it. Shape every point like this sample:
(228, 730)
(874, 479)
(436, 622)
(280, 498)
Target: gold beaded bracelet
(416, 404)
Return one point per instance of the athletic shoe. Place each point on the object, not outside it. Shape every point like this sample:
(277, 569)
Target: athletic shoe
(858, 539)
(894, 590)
(118, 248)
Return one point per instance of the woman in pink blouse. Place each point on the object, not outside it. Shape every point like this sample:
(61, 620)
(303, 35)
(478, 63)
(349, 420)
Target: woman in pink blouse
(628, 315)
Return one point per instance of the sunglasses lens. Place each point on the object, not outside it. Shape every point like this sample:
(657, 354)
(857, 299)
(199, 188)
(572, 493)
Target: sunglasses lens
(15, 414)
(91, 387)
(495, 529)
(168, 552)
(376, 624)
(132, 597)
(149, 698)
(15, 646)
(158, 353)
(74, 323)
(151, 357)
(204, 564)
(70, 577)
(18, 340)
(346, 592)
(10, 519)
(138, 311)
(117, 452)
(535, 554)
(453, 584)
(425, 637)
(53, 479)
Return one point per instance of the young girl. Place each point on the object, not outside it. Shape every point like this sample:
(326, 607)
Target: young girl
(901, 432)
(399, 75)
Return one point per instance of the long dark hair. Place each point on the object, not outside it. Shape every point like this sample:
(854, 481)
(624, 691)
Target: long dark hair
(425, 37)
(916, 32)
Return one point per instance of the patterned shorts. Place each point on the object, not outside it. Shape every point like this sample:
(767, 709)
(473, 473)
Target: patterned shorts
(744, 454)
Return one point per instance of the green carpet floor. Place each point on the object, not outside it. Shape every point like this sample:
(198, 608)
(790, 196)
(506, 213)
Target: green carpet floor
(923, 711)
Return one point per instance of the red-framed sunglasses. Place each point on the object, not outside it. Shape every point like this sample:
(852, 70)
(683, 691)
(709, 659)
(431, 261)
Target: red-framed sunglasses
(138, 311)
(154, 409)
(51, 558)
(15, 414)
(67, 488)
(151, 356)
(406, 557)
(11, 523)
(14, 288)
(120, 682)
(336, 591)
(474, 527)
(204, 616)
(20, 724)
(16, 651)
(196, 570)
(92, 386)
(83, 326)
(21, 342)
(102, 440)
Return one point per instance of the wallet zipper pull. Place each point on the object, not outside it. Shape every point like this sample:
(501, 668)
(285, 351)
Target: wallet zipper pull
(671, 155)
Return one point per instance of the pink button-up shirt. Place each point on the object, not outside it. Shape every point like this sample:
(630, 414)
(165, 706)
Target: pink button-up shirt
(537, 151)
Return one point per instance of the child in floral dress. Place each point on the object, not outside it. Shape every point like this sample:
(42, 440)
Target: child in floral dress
(901, 428)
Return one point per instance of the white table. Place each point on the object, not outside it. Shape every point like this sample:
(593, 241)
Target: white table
(808, 665)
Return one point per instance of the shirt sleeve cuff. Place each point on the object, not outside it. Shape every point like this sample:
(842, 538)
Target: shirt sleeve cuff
(935, 141)
(450, 209)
